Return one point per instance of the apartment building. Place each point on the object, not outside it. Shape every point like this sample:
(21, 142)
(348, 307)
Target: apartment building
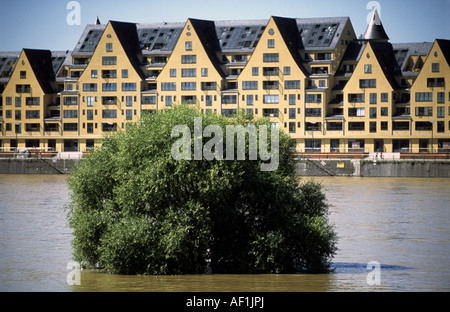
(331, 91)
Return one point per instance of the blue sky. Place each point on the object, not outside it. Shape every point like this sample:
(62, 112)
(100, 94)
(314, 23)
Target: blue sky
(43, 24)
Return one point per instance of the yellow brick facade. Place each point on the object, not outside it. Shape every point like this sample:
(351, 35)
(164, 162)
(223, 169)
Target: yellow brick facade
(313, 78)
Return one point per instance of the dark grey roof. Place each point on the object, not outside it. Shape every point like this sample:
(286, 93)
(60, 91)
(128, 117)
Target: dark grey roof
(239, 35)
(403, 51)
(7, 61)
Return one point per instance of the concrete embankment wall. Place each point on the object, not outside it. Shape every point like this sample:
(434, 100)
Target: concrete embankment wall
(368, 168)
(37, 166)
(347, 167)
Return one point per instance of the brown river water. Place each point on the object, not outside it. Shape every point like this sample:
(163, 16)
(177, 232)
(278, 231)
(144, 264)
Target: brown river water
(402, 225)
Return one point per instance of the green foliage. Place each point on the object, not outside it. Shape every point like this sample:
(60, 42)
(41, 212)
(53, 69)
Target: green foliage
(136, 210)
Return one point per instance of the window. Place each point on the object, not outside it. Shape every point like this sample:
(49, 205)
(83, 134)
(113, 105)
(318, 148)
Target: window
(188, 45)
(291, 127)
(109, 73)
(270, 71)
(208, 100)
(270, 57)
(271, 43)
(32, 127)
(384, 97)
(440, 111)
(270, 85)
(313, 112)
(188, 72)
(435, 67)
(189, 99)
(23, 74)
(373, 98)
(30, 114)
(291, 113)
(168, 100)
(109, 113)
(34, 100)
(334, 126)
(124, 73)
(440, 126)
(384, 125)
(109, 86)
(204, 72)
(287, 70)
(373, 112)
(188, 59)
(424, 111)
(109, 100)
(109, 60)
(270, 112)
(249, 99)
(424, 96)
(292, 99)
(271, 99)
(209, 85)
(70, 100)
(441, 97)
(356, 97)
(292, 84)
(356, 126)
(148, 99)
(249, 85)
(89, 87)
(70, 113)
(129, 100)
(367, 68)
(90, 101)
(129, 114)
(313, 98)
(23, 88)
(173, 72)
(18, 101)
(255, 71)
(229, 99)
(373, 126)
(384, 111)
(70, 126)
(367, 83)
(188, 86)
(94, 73)
(435, 82)
(109, 47)
(356, 112)
(168, 86)
(90, 114)
(128, 86)
(424, 126)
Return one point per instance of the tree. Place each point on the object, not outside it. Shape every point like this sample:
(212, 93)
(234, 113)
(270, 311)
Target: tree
(136, 210)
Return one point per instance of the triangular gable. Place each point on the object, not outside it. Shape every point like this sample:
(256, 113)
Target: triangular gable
(289, 32)
(206, 32)
(41, 63)
(127, 35)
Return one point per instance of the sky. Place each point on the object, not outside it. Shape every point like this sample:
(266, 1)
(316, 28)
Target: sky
(57, 24)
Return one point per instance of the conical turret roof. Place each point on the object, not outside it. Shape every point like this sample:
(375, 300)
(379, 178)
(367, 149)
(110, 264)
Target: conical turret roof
(375, 31)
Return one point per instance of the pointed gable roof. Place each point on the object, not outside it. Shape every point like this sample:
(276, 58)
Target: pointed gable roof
(127, 35)
(444, 45)
(206, 32)
(42, 66)
(384, 53)
(289, 31)
(375, 30)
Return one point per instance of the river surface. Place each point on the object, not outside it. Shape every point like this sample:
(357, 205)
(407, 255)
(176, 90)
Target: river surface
(402, 224)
